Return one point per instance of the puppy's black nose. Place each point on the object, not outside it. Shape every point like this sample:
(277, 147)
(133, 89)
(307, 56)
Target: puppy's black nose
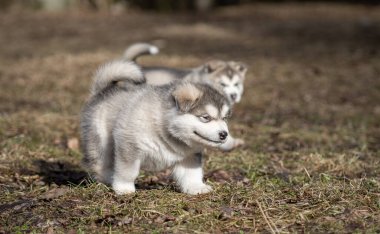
(223, 135)
(233, 96)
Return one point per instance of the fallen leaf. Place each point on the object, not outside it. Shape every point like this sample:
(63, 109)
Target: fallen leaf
(220, 176)
(226, 213)
(73, 143)
(55, 193)
(125, 220)
(159, 220)
(50, 230)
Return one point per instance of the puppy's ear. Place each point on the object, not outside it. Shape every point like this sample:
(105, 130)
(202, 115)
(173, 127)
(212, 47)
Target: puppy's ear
(186, 95)
(213, 65)
(239, 67)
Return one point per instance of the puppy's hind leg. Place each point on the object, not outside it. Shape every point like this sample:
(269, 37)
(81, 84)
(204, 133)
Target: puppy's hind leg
(189, 175)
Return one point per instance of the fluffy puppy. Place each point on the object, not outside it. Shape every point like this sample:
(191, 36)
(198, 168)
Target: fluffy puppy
(139, 126)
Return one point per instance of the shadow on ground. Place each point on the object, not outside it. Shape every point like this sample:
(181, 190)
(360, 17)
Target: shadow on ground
(61, 173)
(65, 173)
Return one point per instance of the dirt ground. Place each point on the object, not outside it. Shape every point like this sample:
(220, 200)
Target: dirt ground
(310, 116)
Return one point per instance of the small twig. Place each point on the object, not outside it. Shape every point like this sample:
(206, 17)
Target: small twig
(153, 211)
(271, 221)
(265, 217)
(307, 173)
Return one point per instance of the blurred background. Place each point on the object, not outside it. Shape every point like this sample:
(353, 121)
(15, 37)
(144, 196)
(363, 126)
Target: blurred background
(310, 114)
(154, 5)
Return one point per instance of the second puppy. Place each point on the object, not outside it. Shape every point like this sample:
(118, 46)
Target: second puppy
(229, 75)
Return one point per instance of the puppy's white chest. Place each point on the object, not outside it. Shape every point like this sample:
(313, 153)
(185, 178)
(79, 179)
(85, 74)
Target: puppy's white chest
(157, 156)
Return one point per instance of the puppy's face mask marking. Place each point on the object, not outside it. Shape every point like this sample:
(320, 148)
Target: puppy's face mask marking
(201, 122)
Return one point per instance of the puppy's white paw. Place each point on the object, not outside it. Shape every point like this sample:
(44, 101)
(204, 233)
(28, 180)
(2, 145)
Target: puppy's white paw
(238, 142)
(121, 188)
(195, 189)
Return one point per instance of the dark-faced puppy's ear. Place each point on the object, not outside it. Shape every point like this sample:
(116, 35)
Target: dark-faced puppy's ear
(186, 95)
(213, 66)
(239, 67)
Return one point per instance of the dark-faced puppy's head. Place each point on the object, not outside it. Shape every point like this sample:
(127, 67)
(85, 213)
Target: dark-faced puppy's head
(200, 115)
(229, 76)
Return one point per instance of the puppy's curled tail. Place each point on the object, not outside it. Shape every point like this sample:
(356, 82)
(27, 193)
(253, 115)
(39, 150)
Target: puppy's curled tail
(136, 50)
(111, 73)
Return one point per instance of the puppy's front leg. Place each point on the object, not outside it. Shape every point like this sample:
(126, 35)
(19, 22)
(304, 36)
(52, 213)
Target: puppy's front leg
(189, 175)
(126, 171)
(231, 143)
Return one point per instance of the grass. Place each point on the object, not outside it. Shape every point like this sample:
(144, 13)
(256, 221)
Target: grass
(310, 117)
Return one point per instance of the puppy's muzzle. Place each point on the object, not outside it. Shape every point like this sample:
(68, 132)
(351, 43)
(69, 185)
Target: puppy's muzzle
(233, 96)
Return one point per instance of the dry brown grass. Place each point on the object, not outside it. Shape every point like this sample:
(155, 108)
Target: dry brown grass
(310, 117)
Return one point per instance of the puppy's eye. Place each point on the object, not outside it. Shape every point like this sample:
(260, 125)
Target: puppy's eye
(225, 119)
(241, 68)
(224, 85)
(236, 85)
(205, 118)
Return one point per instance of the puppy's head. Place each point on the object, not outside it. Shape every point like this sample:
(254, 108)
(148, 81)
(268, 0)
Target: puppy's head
(229, 75)
(200, 115)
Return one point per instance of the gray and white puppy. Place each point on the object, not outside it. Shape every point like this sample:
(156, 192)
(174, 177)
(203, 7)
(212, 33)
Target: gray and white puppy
(139, 126)
(228, 76)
